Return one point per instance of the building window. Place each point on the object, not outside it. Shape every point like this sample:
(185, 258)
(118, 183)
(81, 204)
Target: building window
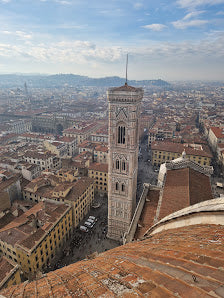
(123, 187)
(121, 134)
(123, 166)
(116, 185)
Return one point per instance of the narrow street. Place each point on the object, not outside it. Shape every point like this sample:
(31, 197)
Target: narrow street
(85, 245)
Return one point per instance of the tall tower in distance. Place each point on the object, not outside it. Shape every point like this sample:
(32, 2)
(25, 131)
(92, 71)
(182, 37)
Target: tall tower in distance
(124, 112)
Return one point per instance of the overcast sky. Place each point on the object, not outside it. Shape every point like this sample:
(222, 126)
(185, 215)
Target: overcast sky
(167, 39)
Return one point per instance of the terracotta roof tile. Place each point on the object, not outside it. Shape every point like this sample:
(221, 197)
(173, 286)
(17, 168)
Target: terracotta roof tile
(148, 213)
(184, 187)
(218, 132)
(179, 148)
(125, 87)
(6, 267)
(80, 186)
(180, 262)
(99, 167)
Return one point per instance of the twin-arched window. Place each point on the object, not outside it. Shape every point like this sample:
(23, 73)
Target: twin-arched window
(120, 165)
(122, 186)
(121, 135)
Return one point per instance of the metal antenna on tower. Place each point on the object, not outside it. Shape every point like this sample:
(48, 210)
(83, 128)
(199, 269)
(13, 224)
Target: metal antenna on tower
(126, 81)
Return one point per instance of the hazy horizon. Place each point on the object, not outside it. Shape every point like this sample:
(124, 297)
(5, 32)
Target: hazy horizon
(101, 77)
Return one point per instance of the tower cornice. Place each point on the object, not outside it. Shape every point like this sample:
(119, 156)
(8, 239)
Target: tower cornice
(127, 94)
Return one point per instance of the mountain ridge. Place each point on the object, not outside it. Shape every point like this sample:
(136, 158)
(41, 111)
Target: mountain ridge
(72, 80)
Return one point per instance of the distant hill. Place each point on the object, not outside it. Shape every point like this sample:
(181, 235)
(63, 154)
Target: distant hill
(62, 80)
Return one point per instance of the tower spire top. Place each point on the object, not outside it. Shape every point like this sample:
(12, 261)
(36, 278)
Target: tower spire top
(126, 80)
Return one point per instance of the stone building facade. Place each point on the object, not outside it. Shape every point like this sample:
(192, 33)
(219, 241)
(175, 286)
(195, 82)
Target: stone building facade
(124, 112)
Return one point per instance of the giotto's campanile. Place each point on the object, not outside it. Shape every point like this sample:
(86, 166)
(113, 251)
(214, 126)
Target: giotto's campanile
(124, 113)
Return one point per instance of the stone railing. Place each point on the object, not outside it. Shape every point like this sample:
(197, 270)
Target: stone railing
(128, 237)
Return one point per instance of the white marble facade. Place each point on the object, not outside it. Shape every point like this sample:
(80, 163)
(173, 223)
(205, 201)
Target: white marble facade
(124, 113)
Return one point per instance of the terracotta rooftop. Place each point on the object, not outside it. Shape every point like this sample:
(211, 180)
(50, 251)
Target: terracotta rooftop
(179, 148)
(100, 167)
(125, 87)
(184, 187)
(183, 262)
(66, 139)
(102, 148)
(218, 132)
(79, 188)
(6, 183)
(6, 219)
(148, 213)
(21, 232)
(6, 267)
(38, 155)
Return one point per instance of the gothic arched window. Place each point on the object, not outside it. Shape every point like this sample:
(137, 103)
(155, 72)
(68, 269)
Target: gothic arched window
(121, 135)
(116, 186)
(117, 164)
(122, 187)
(123, 167)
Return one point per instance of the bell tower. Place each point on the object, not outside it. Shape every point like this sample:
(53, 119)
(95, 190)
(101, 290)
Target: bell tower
(124, 112)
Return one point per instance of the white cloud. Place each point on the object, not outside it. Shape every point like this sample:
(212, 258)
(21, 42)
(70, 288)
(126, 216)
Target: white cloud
(76, 51)
(6, 32)
(5, 1)
(63, 2)
(220, 13)
(192, 14)
(23, 35)
(189, 21)
(155, 27)
(182, 24)
(20, 34)
(138, 5)
(196, 3)
(97, 60)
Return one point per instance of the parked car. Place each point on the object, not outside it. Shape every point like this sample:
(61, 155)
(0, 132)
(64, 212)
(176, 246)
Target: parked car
(84, 229)
(88, 224)
(93, 217)
(91, 220)
(219, 184)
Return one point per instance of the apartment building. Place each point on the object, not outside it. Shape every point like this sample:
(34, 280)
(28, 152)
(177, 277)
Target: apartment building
(33, 239)
(70, 144)
(45, 160)
(101, 154)
(65, 187)
(99, 151)
(101, 135)
(81, 131)
(216, 137)
(99, 172)
(166, 151)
